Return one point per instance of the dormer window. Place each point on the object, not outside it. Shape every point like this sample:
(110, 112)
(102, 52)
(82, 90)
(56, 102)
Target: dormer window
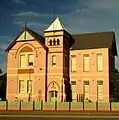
(50, 42)
(58, 41)
(54, 42)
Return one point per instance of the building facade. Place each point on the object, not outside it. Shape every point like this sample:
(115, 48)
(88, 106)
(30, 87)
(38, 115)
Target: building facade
(60, 66)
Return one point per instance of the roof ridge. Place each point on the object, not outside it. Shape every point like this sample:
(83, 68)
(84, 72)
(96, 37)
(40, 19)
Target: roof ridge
(94, 33)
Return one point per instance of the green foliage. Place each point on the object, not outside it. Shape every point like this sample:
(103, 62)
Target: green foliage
(3, 86)
(114, 84)
(0, 71)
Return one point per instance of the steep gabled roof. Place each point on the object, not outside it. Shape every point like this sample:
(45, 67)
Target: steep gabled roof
(56, 25)
(34, 35)
(94, 40)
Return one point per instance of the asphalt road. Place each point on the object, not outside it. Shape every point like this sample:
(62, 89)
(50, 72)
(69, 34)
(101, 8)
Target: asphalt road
(56, 117)
(37, 115)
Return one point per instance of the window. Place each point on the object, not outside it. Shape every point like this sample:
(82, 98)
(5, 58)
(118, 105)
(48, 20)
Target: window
(54, 60)
(50, 42)
(73, 84)
(29, 86)
(100, 90)
(86, 62)
(58, 42)
(54, 42)
(99, 62)
(73, 63)
(21, 86)
(22, 61)
(30, 60)
(86, 89)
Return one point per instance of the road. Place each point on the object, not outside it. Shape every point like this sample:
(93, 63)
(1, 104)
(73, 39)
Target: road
(31, 115)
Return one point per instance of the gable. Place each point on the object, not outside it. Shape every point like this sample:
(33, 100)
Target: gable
(25, 36)
(28, 35)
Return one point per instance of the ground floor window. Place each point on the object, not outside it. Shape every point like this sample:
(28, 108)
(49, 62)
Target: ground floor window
(86, 89)
(29, 86)
(21, 86)
(99, 89)
(73, 85)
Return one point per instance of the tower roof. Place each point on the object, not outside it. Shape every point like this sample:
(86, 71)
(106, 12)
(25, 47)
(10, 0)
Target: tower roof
(56, 25)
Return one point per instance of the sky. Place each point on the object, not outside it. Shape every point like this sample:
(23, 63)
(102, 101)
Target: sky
(78, 16)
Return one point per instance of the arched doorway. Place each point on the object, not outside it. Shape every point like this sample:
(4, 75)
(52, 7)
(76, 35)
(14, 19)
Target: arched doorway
(53, 91)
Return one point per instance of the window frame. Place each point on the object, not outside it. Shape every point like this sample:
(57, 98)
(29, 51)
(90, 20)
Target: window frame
(99, 84)
(28, 88)
(23, 85)
(86, 82)
(53, 60)
(84, 64)
(20, 60)
(73, 69)
(97, 61)
(32, 61)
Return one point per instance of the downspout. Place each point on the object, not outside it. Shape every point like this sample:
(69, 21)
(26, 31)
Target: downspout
(46, 69)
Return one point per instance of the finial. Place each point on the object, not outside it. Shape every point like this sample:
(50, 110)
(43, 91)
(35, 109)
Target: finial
(113, 30)
(25, 26)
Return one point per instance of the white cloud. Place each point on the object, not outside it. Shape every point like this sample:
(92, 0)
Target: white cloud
(30, 14)
(33, 14)
(19, 1)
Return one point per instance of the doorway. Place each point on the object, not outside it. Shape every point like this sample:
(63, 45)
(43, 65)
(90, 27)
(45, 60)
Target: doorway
(53, 95)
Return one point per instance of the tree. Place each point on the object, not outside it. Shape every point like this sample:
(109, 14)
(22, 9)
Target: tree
(0, 71)
(3, 85)
(114, 84)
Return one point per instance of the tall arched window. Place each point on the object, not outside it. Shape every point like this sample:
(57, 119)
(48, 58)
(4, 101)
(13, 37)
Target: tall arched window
(50, 42)
(54, 42)
(58, 42)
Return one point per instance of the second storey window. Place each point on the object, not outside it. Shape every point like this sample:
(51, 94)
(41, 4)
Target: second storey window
(22, 61)
(86, 63)
(99, 62)
(73, 63)
(30, 60)
(54, 60)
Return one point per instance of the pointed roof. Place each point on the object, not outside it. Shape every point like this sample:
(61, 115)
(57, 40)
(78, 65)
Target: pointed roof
(56, 25)
(31, 35)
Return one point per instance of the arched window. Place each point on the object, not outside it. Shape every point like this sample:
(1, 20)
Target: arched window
(54, 42)
(50, 42)
(58, 41)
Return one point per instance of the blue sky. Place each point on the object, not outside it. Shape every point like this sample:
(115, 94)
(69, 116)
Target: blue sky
(78, 16)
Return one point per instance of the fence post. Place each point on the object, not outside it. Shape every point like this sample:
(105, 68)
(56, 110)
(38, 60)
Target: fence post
(55, 105)
(41, 105)
(83, 105)
(33, 105)
(110, 105)
(96, 105)
(69, 105)
(6, 104)
(20, 105)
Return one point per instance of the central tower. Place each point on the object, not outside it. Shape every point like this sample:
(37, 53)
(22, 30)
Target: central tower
(58, 41)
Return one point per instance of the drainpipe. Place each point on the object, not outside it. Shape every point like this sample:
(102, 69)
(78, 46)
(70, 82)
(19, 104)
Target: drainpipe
(46, 67)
